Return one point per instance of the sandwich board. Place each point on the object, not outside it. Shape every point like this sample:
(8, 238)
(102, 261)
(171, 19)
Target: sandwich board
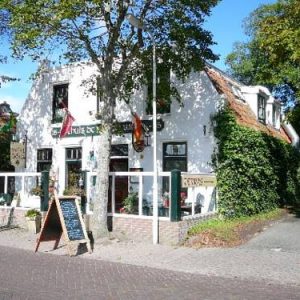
(64, 218)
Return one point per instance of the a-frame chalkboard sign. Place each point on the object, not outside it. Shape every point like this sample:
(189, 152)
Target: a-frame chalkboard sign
(64, 218)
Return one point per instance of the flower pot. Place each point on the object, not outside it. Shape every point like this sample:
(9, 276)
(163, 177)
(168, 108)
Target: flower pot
(34, 224)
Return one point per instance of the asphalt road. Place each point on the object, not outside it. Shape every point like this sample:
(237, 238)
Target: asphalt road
(28, 275)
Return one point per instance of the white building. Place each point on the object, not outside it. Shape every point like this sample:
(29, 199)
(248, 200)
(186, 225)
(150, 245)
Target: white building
(185, 138)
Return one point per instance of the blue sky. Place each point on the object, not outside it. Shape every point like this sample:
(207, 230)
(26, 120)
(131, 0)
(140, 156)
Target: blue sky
(225, 23)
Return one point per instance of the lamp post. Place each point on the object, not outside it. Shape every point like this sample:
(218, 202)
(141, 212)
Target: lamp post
(134, 21)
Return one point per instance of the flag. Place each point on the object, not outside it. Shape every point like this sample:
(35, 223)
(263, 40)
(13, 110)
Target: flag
(66, 125)
(137, 134)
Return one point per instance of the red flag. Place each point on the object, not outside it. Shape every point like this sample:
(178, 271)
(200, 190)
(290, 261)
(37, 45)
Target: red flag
(67, 125)
(137, 134)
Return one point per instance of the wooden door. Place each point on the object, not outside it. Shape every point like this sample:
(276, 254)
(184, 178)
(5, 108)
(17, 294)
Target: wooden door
(121, 183)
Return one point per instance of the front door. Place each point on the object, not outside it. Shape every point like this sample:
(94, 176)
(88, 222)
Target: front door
(121, 183)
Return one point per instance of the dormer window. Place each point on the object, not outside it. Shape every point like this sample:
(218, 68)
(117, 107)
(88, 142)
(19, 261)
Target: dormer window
(261, 109)
(60, 101)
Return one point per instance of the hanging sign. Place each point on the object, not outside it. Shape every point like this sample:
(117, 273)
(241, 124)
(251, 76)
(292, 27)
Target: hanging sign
(197, 180)
(64, 218)
(17, 154)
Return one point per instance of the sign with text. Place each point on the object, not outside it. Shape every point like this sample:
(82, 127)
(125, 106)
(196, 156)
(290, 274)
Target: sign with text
(64, 218)
(197, 180)
(94, 129)
(17, 154)
(71, 218)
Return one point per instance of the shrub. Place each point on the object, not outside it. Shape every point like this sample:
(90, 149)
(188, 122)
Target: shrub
(32, 213)
(255, 172)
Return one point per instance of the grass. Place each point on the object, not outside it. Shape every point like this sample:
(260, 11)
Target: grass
(227, 230)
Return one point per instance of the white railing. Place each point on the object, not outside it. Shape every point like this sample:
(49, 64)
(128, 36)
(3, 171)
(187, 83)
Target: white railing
(22, 186)
(141, 186)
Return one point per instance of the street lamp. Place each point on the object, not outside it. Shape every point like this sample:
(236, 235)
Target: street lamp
(134, 21)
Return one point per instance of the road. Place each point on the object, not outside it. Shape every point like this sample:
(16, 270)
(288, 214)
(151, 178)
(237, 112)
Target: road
(28, 275)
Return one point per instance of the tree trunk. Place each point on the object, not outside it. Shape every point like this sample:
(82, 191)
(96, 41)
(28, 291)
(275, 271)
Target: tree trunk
(99, 218)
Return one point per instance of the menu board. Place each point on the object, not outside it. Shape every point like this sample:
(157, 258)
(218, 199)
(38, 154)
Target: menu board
(71, 219)
(64, 218)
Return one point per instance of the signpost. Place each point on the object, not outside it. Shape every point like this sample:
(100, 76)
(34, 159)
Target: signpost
(64, 218)
(197, 180)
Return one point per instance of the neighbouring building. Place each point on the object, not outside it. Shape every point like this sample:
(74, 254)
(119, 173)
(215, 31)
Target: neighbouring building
(185, 137)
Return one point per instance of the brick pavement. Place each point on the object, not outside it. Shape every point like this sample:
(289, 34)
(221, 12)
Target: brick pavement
(25, 275)
(269, 264)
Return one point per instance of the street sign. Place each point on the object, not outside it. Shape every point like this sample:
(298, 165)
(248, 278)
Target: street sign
(197, 180)
(17, 154)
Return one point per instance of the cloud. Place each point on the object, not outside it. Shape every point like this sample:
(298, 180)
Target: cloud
(15, 103)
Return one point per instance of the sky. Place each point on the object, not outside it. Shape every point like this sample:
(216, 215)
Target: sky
(225, 23)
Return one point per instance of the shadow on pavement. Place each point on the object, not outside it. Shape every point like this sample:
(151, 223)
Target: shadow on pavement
(295, 210)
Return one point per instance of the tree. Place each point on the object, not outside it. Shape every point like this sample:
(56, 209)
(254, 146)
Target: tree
(4, 36)
(98, 31)
(272, 55)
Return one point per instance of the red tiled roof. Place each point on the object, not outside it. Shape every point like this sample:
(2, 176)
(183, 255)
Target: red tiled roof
(244, 115)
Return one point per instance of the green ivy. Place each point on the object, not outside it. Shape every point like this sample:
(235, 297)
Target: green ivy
(255, 172)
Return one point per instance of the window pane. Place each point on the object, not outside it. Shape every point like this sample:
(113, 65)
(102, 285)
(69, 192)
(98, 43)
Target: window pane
(73, 153)
(261, 106)
(119, 150)
(44, 159)
(60, 101)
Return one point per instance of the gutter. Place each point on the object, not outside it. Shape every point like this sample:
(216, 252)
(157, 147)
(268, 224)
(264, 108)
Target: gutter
(291, 133)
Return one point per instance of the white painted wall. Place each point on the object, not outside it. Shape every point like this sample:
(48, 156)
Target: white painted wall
(187, 123)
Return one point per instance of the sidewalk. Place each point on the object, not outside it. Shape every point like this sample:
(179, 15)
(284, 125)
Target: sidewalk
(273, 256)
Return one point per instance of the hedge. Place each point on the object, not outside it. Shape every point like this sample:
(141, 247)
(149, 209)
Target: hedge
(255, 171)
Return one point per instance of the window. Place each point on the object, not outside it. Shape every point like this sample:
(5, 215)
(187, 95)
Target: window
(261, 109)
(73, 167)
(60, 101)
(163, 90)
(44, 159)
(174, 157)
(119, 150)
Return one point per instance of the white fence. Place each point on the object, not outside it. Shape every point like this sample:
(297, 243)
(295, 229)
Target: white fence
(139, 183)
(197, 200)
(23, 183)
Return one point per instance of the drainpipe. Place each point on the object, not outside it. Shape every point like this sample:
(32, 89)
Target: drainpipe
(291, 133)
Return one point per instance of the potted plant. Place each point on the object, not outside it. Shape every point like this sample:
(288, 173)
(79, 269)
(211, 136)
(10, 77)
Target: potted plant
(34, 220)
(73, 191)
(131, 203)
(37, 191)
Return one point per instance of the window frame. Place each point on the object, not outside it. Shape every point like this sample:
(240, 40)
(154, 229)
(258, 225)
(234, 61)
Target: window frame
(44, 158)
(57, 106)
(167, 157)
(73, 160)
(261, 108)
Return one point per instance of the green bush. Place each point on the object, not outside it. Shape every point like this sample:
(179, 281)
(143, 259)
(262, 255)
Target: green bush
(32, 213)
(255, 171)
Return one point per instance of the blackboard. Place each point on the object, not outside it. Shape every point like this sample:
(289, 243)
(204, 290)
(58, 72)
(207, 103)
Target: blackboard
(71, 218)
(64, 218)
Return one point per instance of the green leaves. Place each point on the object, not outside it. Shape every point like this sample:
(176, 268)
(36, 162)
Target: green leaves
(255, 172)
(98, 31)
(272, 55)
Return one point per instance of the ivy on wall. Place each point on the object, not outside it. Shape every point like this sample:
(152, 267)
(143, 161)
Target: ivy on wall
(255, 172)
